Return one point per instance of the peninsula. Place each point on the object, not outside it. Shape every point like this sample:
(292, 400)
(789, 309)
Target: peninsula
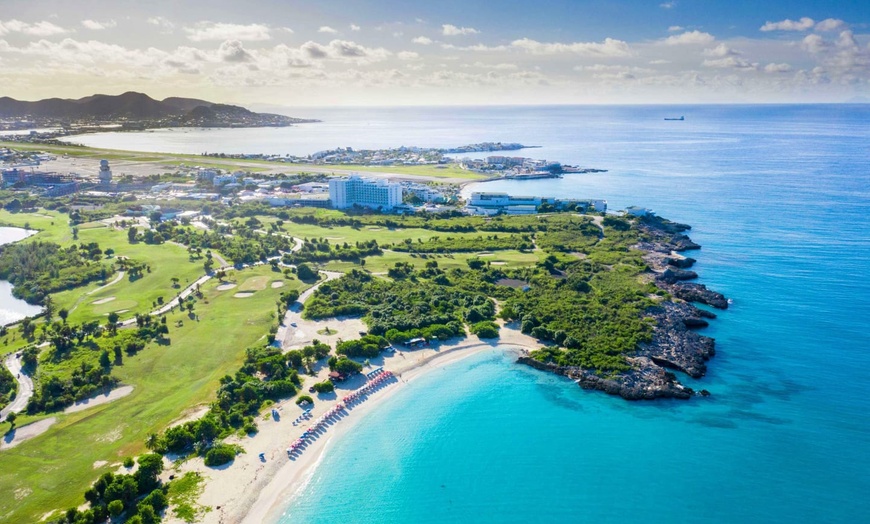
(129, 111)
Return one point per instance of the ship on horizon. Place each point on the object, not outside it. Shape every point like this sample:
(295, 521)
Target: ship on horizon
(678, 119)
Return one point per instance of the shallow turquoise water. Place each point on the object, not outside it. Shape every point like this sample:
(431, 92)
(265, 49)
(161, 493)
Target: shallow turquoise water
(779, 197)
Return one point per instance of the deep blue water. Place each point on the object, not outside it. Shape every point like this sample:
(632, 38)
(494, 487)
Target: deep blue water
(779, 196)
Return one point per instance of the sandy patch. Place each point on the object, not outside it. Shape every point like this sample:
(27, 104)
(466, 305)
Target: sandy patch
(103, 301)
(111, 436)
(243, 294)
(334, 238)
(190, 415)
(100, 463)
(118, 312)
(19, 435)
(20, 493)
(485, 254)
(100, 399)
(499, 263)
(277, 284)
(225, 287)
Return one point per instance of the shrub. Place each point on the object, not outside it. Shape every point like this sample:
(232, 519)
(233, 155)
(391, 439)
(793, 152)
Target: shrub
(485, 329)
(220, 455)
(128, 462)
(303, 398)
(116, 507)
(324, 387)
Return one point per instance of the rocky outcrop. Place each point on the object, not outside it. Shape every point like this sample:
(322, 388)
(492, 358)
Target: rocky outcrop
(673, 344)
(672, 275)
(691, 292)
(679, 262)
(645, 381)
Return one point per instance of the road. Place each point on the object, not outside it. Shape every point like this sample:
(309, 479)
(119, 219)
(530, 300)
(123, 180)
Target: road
(25, 387)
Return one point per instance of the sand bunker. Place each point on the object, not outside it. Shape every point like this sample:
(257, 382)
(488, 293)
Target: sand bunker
(224, 287)
(243, 294)
(19, 435)
(103, 301)
(498, 263)
(99, 399)
(100, 463)
(277, 284)
(484, 254)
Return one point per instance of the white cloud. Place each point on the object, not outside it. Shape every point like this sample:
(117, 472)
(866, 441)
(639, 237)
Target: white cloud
(354, 27)
(720, 51)
(162, 22)
(343, 50)
(777, 68)
(42, 28)
(205, 31)
(659, 61)
(690, 38)
(452, 30)
(326, 29)
(234, 51)
(609, 47)
(814, 44)
(730, 62)
(790, 25)
(97, 26)
(422, 40)
(407, 55)
(668, 5)
(675, 28)
(830, 24)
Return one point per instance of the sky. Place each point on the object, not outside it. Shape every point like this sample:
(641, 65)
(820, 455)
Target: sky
(449, 52)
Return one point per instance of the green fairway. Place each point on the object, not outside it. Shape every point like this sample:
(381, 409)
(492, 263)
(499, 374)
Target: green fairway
(383, 235)
(52, 471)
(167, 261)
(381, 263)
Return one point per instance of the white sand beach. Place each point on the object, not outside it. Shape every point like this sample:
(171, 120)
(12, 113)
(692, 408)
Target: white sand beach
(251, 490)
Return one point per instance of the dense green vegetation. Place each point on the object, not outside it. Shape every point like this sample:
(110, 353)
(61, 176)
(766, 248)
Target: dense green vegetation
(8, 386)
(39, 268)
(466, 244)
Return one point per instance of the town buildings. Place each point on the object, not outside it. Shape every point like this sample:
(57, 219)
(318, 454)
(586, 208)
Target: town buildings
(354, 190)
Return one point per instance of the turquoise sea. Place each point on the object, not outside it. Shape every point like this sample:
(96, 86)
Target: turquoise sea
(779, 196)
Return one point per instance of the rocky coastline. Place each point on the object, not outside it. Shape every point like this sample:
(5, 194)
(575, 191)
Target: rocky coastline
(675, 345)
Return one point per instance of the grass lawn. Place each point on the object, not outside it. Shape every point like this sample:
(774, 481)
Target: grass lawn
(342, 234)
(53, 226)
(52, 470)
(381, 263)
(134, 296)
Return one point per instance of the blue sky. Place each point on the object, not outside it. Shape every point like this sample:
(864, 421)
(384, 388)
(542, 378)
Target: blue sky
(347, 52)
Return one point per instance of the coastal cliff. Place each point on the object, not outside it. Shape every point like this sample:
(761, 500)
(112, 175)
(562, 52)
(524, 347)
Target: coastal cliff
(674, 345)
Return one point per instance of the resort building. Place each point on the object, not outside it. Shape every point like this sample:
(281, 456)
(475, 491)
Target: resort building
(486, 203)
(351, 191)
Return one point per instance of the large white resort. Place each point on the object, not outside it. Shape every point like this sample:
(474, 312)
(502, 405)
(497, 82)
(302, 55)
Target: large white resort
(354, 190)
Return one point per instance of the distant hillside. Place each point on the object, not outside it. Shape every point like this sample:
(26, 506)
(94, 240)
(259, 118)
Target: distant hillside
(139, 108)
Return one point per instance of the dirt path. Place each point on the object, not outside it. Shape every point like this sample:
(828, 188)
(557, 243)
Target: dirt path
(19, 435)
(287, 331)
(25, 387)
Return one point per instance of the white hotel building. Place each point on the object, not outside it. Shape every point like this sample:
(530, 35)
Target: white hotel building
(347, 192)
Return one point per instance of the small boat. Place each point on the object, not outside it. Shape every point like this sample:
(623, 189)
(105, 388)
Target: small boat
(676, 119)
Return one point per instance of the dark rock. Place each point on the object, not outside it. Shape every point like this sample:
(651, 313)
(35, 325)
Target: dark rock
(673, 345)
(682, 262)
(706, 314)
(671, 275)
(704, 393)
(691, 292)
(692, 322)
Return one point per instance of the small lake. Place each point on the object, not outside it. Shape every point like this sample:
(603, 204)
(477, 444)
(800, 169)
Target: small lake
(13, 309)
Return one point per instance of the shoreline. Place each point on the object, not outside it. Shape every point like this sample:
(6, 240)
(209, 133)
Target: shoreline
(251, 491)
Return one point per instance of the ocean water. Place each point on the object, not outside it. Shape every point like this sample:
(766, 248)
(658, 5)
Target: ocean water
(779, 196)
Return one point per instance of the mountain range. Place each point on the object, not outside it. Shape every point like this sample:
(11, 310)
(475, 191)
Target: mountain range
(139, 108)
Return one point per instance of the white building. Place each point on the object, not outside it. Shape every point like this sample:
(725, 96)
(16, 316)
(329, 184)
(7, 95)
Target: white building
(347, 192)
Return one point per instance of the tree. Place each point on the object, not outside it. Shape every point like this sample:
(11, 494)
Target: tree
(113, 321)
(116, 507)
(63, 314)
(105, 360)
(132, 233)
(304, 272)
(10, 418)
